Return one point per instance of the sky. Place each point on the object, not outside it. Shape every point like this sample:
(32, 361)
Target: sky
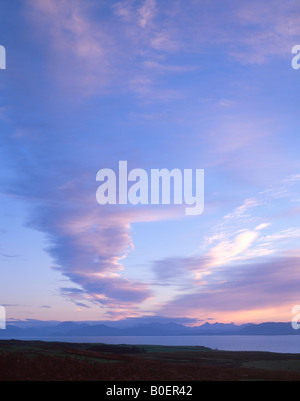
(166, 84)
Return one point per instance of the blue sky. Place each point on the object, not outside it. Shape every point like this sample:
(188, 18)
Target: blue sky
(161, 84)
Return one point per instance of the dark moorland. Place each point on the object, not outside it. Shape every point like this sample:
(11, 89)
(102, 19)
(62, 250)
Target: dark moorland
(57, 361)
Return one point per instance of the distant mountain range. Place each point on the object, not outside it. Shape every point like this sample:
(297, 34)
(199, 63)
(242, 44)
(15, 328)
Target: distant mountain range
(84, 329)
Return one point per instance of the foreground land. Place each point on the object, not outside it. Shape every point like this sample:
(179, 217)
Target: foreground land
(55, 361)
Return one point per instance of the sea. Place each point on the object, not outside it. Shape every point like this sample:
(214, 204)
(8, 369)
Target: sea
(279, 344)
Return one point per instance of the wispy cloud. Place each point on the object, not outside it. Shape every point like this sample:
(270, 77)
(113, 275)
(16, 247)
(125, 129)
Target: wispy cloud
(93, 52)
(76, 43)
(260, 287)
(236, 250)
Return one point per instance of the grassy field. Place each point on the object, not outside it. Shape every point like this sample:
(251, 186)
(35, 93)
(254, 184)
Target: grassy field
(55, 361)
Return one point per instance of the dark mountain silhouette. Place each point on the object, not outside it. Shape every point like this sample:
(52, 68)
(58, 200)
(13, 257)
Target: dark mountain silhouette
(268, 329)
(82, 329)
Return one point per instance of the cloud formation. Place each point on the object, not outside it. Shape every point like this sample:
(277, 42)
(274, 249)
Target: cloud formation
(261, 287)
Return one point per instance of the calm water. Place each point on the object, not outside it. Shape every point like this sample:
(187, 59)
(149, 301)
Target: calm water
(282, 344)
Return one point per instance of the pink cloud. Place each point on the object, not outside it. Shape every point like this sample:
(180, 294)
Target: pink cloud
(266, 288)
(94, 57)
(79, 46)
